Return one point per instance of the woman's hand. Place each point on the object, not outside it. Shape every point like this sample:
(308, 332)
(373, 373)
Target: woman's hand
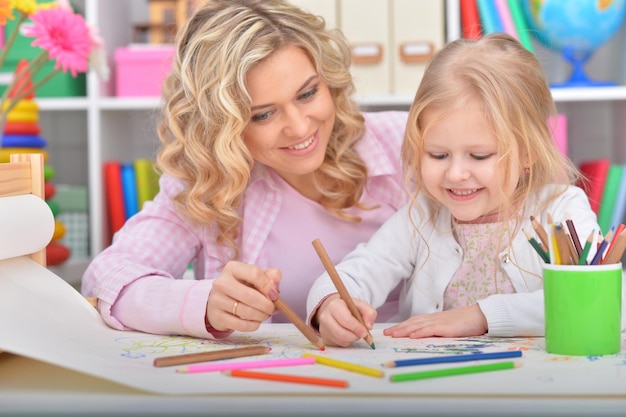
(337, 325)
(458, 322)
(241, 297)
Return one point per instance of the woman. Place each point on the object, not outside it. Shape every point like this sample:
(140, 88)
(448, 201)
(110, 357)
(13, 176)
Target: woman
(263, 150)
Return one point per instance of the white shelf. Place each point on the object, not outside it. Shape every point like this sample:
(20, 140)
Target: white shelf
(62, 104)
(583, 94)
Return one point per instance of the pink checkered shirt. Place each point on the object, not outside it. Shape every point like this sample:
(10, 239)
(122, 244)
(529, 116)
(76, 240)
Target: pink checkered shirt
(138, 279)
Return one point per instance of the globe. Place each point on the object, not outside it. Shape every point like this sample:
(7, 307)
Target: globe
(575, 28)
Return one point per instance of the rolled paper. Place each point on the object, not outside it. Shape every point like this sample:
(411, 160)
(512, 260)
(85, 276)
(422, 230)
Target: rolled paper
(27, 225)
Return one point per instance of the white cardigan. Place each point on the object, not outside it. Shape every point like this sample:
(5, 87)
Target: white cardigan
(426, 262)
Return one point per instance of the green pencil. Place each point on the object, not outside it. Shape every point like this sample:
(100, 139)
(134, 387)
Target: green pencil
(542, 253)
(453, 371)
(583, 256)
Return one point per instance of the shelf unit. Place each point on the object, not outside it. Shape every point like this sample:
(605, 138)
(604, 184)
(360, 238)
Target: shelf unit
(83, 132)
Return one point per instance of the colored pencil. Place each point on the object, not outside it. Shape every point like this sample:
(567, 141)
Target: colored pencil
(533, 242)
(343, 292)
(453, 371)
(327, 382)
(211, 356)
(229, 366)
(555, 246)
(563, 244)
(293, 317)
(616, 250)
(573, 234)
(600, 252)
(323, 360)
(617, 234)
(541, 232)
(455, 358)
(583, 256)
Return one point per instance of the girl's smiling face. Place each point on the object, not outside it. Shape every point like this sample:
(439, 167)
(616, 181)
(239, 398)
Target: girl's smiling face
(293, 115)
(459, 166)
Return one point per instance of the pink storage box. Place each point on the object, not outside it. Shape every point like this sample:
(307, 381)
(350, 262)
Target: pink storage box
(140, 70)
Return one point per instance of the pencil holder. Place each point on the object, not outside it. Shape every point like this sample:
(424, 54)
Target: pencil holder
(583, 307)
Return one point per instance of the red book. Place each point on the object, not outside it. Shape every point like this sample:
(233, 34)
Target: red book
(595, 173)
(470, 20)
(115, 195)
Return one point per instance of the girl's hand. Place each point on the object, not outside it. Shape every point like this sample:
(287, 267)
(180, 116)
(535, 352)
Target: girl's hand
(241, 297)
(458, 322)
(337, 326)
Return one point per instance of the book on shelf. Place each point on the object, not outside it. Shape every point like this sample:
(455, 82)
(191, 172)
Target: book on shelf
(609, 195)
(508, 26)
(489, 17)
(594, 172)
(128, 186)
(470, 20)
(558, 127)
(115, 195)
(521, 26)
(619, 211)
(147, 181)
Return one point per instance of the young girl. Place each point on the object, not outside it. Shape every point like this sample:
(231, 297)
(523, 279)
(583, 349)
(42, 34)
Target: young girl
(479, 149)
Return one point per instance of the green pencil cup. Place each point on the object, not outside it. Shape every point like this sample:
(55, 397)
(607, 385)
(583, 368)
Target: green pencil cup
(583, 309)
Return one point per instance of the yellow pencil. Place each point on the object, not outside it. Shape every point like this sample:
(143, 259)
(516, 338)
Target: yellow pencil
(377, 373)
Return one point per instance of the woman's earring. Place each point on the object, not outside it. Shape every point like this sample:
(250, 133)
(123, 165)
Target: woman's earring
(527, 172)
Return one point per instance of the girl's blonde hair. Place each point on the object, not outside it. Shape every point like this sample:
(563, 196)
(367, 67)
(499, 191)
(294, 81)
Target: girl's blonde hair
(207, 107)
(508, 81)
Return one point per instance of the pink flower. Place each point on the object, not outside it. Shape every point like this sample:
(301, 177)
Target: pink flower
(64, 35)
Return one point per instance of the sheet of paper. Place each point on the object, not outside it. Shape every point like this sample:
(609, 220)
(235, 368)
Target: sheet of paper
(43, 317)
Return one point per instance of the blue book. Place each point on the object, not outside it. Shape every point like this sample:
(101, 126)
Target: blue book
(489, 16)
(619, 211)
(129, 187)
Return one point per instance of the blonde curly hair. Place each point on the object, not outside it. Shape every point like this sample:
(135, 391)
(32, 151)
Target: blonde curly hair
(207, 106)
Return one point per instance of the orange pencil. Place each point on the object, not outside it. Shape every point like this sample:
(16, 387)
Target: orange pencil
(267, 376)
(341, 289)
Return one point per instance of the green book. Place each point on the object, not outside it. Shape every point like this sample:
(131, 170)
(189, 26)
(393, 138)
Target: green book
(609, 197)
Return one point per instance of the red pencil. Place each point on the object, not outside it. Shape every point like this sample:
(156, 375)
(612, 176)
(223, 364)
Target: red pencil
(339, 383)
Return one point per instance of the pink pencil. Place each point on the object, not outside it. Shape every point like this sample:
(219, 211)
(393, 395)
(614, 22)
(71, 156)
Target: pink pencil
(228, 366)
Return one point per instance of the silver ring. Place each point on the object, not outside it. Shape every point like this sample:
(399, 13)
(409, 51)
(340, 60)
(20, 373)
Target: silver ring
(235, 308)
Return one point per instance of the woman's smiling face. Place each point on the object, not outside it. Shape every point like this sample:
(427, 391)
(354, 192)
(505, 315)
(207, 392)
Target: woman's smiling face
(293, 115)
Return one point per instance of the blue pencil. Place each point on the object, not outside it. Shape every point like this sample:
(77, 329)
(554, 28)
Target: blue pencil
(455, 358)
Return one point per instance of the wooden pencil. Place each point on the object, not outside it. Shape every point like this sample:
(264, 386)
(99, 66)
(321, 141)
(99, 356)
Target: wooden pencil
(541, 233)
(582, 260)
(569, 243)
(341, 289)
(293, 317)
(573, 234)
(537, 246)
(267, 376)
(597, 258)
(617, 234)
(211, 356)
(454, 358)
(616, 250)
(453, 371)
(348, 366)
